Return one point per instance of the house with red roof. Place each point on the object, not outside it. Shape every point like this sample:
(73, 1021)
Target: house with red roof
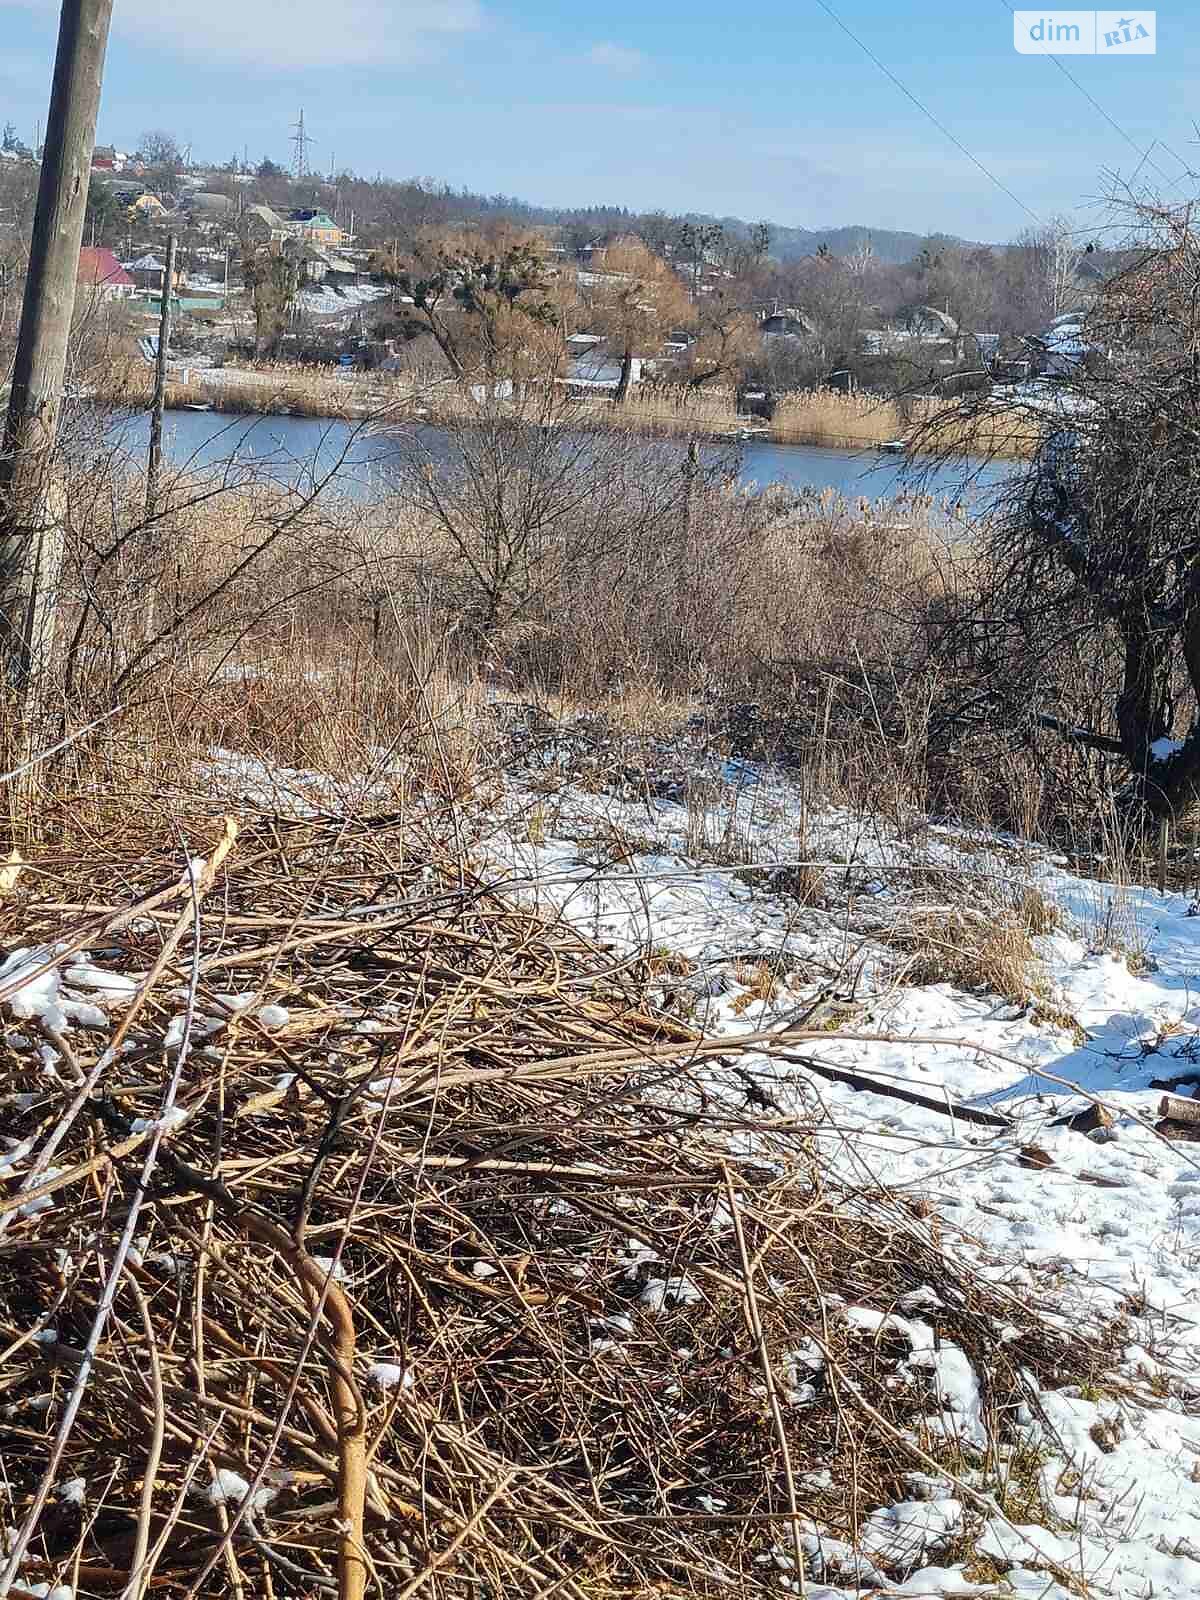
(101, 276)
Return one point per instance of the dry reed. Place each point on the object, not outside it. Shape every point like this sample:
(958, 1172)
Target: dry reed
(816, 417)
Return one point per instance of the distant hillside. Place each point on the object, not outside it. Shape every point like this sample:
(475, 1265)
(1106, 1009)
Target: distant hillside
(387, 204)
(888, 245)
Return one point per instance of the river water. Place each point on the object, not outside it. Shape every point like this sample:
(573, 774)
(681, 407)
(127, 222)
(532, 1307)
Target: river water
(298, 449)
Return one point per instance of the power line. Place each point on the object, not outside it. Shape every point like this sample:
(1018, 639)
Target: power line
(925, 111)
(1144, 155)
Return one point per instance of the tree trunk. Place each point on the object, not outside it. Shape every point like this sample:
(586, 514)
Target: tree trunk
(626, 377)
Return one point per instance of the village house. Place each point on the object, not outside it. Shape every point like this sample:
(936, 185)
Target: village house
(778, 321)
(209, 208)
(317, 227)
(1062, 348)
(323, 266)
(312, 264)
(102, 277)
(596, 369)
(928, 323)
(147, 208)
(921, 333)
(263, 226)
(106, 158)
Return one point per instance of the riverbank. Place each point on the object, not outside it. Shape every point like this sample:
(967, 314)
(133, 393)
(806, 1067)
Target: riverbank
(361, 458)
(822, 418)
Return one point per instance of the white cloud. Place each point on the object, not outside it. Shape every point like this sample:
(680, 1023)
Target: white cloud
(617, 58)
(290, 34)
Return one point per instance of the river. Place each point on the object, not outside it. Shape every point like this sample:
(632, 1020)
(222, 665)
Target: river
(295, 449)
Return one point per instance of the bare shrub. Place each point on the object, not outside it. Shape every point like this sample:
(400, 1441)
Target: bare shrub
(968, 949)
(564, 545)
(1089, 618)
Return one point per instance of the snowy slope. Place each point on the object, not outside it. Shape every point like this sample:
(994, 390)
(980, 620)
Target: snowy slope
(1109, 1221)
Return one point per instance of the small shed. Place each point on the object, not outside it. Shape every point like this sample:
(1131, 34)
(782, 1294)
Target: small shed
(147, 272)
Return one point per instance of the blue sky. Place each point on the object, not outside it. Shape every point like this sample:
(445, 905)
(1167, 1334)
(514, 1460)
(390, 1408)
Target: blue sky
(762, 111)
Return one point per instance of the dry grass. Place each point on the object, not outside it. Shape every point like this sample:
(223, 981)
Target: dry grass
(296, 392)
(675, 412)
(977, 951)
(812, 608)
(999, 434)
(984, 948)
(842, 421)
(826, 417)
(451, 1290)
(822, 417)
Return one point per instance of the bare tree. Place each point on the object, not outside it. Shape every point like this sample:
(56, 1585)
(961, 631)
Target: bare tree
(1054, 254)
(528, 502)
(273, 281)
(158, 148)
(636, 299)
(860, 262)
(482, 304)
(701, 242)
(1093, 600)
(727, 339)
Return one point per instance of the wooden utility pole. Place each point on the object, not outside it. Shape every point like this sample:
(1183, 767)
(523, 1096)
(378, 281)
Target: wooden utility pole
(691, 471)
(30, 535)
(160, 380)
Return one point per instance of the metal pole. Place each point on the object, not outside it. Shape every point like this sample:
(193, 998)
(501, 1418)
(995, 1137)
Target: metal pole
(30, 537)
(160, 380)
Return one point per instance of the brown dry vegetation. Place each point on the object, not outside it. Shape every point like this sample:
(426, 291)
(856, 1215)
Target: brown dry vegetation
(518, 1111)
(821, 417)
(456, 1290)
(793, 627)
(825, 417)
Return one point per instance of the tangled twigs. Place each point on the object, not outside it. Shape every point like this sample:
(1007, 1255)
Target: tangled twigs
(326, 1297)
(200, 878)
(754, 1323)
(434, 1284)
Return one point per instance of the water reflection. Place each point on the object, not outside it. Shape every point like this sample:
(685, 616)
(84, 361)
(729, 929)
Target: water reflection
(303, 450)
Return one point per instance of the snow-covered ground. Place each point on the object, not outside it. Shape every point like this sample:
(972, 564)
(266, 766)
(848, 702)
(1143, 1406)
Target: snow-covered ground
(324, 301)
(1106, 1222)
(1110, 1221)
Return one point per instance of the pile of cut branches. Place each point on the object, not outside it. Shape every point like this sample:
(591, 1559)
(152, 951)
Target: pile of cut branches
(361, 1232)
